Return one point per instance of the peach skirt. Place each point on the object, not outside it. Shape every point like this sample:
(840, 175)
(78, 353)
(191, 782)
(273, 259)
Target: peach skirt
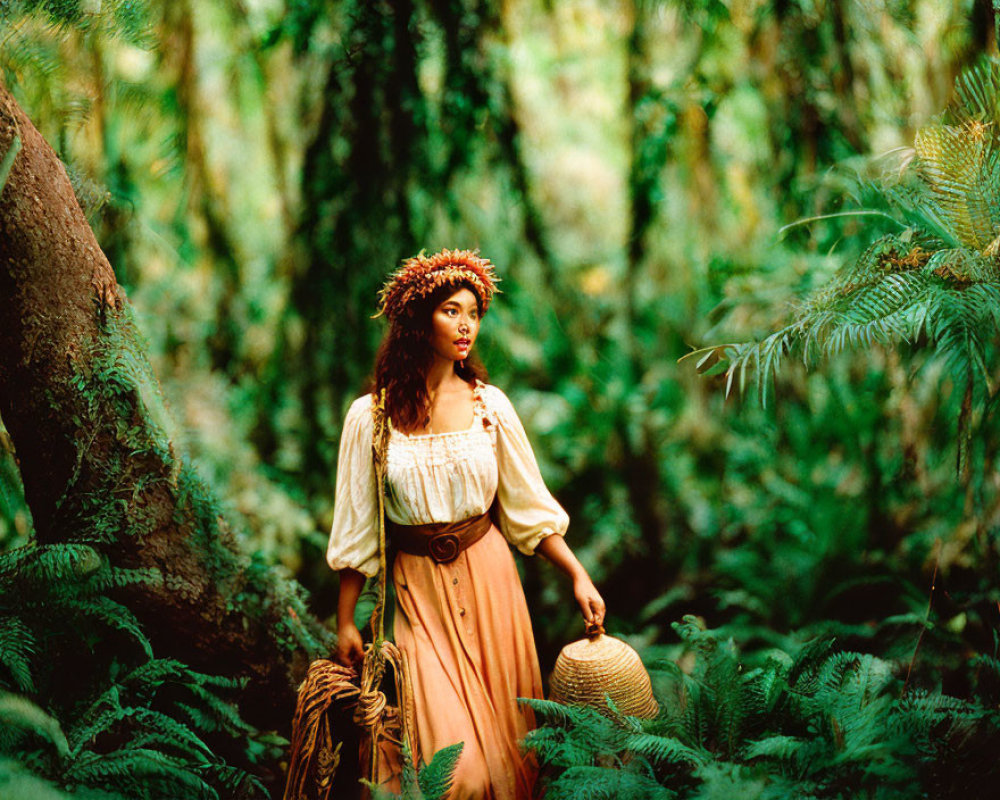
(465, 630)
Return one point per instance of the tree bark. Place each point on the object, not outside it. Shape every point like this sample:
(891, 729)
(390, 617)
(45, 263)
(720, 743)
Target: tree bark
(86, 416)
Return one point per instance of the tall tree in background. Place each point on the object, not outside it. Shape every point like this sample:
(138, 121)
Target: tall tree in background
(378, 172)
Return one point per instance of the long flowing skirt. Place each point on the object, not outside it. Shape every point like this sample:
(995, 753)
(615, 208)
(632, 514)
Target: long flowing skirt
(465, 630)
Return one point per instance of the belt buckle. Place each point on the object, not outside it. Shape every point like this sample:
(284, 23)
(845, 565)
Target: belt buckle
(443, 547)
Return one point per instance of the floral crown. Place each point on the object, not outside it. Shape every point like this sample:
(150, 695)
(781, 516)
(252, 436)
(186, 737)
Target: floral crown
(421, 275)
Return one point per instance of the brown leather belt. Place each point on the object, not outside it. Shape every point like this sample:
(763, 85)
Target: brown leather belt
(442, 541)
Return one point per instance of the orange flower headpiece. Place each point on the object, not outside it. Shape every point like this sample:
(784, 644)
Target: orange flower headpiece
(421, 275)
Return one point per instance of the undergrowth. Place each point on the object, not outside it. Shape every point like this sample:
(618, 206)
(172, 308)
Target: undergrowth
(819, 723)
(85, 705)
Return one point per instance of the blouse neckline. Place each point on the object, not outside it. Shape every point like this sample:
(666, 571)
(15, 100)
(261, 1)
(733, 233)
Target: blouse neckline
(478, 412)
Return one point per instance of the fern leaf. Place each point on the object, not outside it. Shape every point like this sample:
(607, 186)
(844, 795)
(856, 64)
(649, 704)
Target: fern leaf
(114, 615)
(19, 712)
(665, 749)
(17, 647)
(167, 731)
(435, 778)
(49, 563)
(779, 746)
(134, 767)
(599, 783)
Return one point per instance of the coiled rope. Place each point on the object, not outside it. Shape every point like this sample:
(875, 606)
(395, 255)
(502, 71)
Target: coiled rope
(314, 754)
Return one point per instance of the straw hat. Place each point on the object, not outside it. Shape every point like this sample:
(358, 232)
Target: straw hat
(600, 665)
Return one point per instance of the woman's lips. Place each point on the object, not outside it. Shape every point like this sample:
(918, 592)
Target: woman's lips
(462, 342)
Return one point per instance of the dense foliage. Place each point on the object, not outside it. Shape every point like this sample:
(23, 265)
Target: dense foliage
(128, 724)
(253, 169)
(822, 723)
(934, 281)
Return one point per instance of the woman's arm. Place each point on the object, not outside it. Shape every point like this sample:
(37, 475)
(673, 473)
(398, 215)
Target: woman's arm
(350, 647)
(555, 550)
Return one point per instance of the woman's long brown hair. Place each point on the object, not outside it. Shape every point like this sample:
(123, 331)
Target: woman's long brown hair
(405, 355)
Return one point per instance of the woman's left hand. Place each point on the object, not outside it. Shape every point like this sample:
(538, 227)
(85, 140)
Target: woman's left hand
(555, 549)
(590, 600)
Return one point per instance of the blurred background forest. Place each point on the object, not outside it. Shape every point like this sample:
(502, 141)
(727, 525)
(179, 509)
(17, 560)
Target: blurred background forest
(254, 168)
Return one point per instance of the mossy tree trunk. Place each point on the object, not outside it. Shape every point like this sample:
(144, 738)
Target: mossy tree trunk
(92, 437)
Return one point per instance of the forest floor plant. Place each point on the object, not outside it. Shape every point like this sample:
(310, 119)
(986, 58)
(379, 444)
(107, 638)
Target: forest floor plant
(431, 781)
(129, 724)
(819, 723)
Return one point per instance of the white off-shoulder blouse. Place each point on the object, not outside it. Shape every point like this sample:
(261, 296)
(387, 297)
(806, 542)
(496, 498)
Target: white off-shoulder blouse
(440, 477)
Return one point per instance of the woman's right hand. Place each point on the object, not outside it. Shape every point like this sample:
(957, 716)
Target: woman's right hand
(350, 647)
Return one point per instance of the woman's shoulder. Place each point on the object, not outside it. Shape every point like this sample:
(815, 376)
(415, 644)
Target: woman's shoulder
(494, 398)
(360, 403)
(359, 411)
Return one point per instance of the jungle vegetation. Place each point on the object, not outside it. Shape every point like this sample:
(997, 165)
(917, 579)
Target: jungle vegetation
(796, 526)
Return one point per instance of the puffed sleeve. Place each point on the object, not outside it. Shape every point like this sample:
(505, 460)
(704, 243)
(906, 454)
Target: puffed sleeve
(354, 536)
(527, 510)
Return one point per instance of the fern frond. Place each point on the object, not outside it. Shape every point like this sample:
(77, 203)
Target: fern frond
(958, 165)
(112, 614)
(977, 93)
(49, 563)
(19, 712)
(665, 749)
(102, 717)
(558, 747)
(782, 747)
(214, 713)
(134, 768)
(435, 778)
(17, 647)
(150, 675)
(936, 282)
(597, 783)
(723, 780)
(166, 731)
(19, 782)
(576, 735)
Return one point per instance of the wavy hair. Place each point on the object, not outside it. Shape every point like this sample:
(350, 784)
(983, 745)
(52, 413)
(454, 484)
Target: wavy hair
(405, 355)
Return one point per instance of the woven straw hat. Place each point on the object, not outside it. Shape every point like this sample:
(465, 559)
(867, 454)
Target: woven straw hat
(600, 665)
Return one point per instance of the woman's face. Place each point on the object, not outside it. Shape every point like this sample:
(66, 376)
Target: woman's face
(454, 325)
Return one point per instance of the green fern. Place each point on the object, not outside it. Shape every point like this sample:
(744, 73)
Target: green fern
(125, 19)
(18, 783)
(20, 715)
(936, 282)
(424, 782)
(17, 649)
(134, 726)
(824, 723)
(435, 779)
(141, 771)
(598, 783)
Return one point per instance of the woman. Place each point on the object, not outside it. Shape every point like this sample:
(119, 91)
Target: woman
(456, 451)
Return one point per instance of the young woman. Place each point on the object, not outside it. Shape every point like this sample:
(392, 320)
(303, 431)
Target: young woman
(462, 484)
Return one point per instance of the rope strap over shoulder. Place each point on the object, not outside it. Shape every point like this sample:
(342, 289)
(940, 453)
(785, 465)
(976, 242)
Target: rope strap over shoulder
(380, 449)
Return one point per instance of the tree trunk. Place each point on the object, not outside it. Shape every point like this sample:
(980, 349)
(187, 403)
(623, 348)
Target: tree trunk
(92, 436)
